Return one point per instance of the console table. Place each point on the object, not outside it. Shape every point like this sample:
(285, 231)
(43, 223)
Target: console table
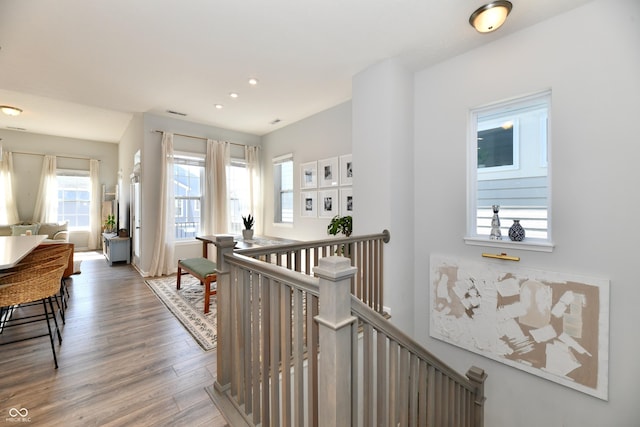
(116, 248)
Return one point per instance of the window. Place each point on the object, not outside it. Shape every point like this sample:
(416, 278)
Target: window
(283, 189)
(74, 198)
(238, 183)
(508, 166)
(188, 176)
(496, 148)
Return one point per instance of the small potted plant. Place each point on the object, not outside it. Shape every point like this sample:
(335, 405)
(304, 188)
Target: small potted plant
(110, 223)
(247, 233)
(341, 224)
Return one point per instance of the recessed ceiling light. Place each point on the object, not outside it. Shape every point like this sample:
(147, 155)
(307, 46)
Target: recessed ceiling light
(10, 111)
(233, 95)
(219, 106)
(253, 81)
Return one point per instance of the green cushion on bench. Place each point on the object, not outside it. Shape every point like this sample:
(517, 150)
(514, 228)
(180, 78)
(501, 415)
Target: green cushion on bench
(200, 266)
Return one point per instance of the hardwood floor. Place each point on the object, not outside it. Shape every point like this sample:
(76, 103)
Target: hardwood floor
(124, 361)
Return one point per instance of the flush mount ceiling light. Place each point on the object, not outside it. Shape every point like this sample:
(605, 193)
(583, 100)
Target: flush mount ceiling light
(10, 111)
(491, 16)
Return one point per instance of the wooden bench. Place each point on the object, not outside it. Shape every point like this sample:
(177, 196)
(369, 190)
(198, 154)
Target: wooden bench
(202, 269)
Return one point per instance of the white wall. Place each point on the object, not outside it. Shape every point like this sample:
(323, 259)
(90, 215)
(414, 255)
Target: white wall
(383, 177)
(28, 168)
(321, 136)
(130, 142)
(590, 58)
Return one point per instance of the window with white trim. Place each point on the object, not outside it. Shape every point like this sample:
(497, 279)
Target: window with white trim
(283, 189)
(509, 167)
(188, 178)
(239, 204)
(74, 198)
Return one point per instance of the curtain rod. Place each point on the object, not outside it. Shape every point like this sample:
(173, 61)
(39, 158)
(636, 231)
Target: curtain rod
(55, 155)
(199, 137)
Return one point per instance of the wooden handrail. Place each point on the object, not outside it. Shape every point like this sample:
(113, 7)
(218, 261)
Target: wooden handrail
(385, 236)
(365, 252)
(381, 324)
(276, 272)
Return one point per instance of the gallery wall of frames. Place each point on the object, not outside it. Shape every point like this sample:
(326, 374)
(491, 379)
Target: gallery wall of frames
(325, 187)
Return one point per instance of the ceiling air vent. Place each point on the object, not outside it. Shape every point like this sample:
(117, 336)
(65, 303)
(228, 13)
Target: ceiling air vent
(177, 113)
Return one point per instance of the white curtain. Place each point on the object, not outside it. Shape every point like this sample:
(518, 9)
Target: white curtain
(46, 209)
(162, 262)
(8, 208)
(252, 157)
(215, 214)
(95, 219)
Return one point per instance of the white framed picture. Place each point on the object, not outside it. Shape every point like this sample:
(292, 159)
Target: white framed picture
(346, 201)
(309, 204)
(346, 170)
(328, 172)
(309, 175)
(328, 203)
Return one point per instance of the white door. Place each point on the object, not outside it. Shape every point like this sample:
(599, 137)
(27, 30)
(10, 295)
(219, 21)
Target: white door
(135, 220)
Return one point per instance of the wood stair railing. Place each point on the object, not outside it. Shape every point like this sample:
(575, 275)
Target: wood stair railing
(365, 252)
(298, 350)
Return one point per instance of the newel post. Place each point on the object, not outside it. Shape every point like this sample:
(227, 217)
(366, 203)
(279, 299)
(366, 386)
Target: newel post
(477, 377)
(224, 244)
(334, 320)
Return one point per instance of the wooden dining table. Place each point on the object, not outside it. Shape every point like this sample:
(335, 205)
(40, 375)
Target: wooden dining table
(14, 248)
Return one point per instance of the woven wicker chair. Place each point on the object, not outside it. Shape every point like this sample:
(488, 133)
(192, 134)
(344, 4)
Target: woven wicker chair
(47, 244)
(47, 250)
(44, 255)
(38, 283)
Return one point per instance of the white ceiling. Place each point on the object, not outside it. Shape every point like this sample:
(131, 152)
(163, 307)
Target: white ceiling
(80, 68)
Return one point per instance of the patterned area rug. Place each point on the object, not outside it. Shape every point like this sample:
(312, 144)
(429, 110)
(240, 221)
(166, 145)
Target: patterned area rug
(187, 305)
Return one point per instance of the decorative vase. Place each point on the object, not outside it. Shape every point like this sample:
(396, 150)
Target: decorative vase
(247, 234)
(495, 224)
(516, 232)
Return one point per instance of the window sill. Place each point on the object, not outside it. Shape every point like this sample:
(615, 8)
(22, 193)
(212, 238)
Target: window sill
(528, 245)
(283, 224)
(185, 242)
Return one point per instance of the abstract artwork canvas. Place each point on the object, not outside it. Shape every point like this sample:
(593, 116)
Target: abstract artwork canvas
(553, 325)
